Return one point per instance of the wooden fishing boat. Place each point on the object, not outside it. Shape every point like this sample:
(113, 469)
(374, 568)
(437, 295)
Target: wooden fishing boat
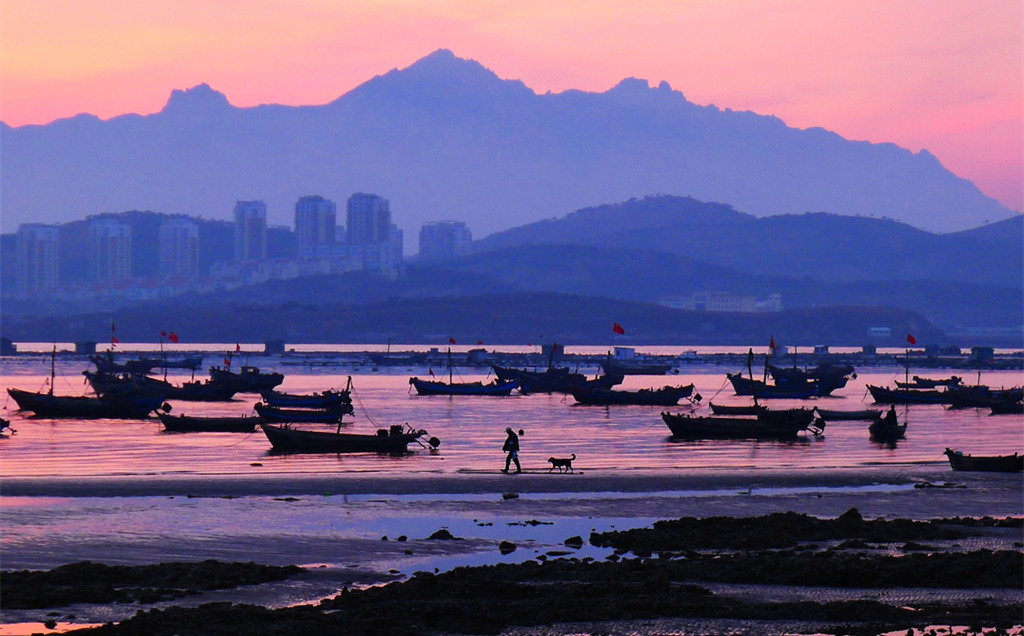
(530, 382)
(430, 387)
(194, 424)
(109, 384)
(281, 414)
(918, 382)
(763, 390)
(779, 425)
(105, 363)
(885, 395)
(992, 463)
(887, 429)
(1007, 407)
(289, 438)
(736, 409)
(665, 396)
(247, 379)
(830, 415)
(981, 396)
(128, 407)
(322, 399)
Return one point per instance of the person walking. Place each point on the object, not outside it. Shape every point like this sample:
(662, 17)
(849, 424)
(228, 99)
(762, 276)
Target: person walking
(512, 448)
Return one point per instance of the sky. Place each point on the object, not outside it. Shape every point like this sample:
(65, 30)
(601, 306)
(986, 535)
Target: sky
(941, 75)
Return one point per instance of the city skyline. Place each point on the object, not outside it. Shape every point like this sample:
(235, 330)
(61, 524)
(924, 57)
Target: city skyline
(944, 77)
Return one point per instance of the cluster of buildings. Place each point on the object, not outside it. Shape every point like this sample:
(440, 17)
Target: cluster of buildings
(368, 242)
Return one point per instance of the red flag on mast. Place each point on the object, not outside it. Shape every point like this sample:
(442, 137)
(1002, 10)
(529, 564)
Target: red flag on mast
(771, 345)
(617, 328)
(173, 337)
(451, 340)
(113, 338)
(911, 339)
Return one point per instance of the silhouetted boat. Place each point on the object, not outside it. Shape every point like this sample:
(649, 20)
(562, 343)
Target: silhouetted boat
(288, 438)
(131, 407)
(530, 382)
(322, 399)
(105, 363)
(429, 387)
(884, 395)
(282, 414)
(247, 379)
(194, 424)
(830, 415)
(887, 428)
(825, 377)
(981, 396)
(929, 383)
(763, 390)
(113, 384)
(992, 463)
(1007, 407)
(614, 366)
(665, 396)
(434, 387)
(779, 425)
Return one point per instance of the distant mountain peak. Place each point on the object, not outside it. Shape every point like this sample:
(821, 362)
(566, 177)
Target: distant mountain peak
(201, 98)
(635, 88)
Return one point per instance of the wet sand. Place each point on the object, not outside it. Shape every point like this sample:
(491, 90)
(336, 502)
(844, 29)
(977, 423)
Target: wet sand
(483, 508)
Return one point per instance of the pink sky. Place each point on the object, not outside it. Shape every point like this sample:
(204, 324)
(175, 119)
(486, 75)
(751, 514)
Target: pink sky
(944, 75)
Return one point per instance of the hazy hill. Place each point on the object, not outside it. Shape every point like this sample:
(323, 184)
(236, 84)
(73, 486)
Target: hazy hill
(816, 246)
(507, 318)
(446, 138)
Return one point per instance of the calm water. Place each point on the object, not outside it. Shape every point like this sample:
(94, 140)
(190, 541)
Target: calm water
(472, 429)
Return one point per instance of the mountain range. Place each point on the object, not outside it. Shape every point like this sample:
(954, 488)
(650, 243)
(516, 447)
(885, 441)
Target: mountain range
(446, 138)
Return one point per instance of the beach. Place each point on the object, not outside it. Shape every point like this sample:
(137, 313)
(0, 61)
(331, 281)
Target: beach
(369, 529)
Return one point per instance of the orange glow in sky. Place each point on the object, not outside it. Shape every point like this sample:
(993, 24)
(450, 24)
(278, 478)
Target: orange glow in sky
(944, 76)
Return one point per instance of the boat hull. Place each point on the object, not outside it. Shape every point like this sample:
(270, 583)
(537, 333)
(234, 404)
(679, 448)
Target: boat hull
(883, 395)
(287, 439)
(991, 464)
(782, 425)
(428, 387)
(280, 414)
(129, 407)
(667, 396)
(189, 424)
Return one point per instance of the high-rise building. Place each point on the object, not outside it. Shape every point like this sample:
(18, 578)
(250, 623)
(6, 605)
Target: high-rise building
(36, 253)
(368, 219)
(444, 239)
(110, 242)
(179, 248)
(250, 230)
(315, 223)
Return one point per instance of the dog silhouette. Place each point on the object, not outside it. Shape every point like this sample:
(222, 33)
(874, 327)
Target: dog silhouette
(563, 464)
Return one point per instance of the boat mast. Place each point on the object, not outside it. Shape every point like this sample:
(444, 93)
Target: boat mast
(53, 375)
(449, 366)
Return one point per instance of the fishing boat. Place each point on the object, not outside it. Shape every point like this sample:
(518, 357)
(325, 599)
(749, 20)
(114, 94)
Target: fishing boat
(981, 396)
(110, 384)
(195, 424)
(626, 362)
(127, 407)
(918, 382)
(763, 390)
(736, 409)
(825, 377)
(992, 463)
(247, 379)
(322, 399)
(665, 396)
(105, 363)
(885, 395)
(530, 382)
(430, 387)
(393, 440)
(436, 387)
(779, 425)
(282, 414)
(830, 415)
(887, 428)
(1007, 407)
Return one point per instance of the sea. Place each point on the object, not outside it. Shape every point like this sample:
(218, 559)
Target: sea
(471, 428)
(341, 538)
